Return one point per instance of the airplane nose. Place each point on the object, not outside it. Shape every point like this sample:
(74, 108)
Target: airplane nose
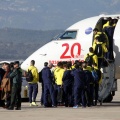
(24, 65)
(40, 56)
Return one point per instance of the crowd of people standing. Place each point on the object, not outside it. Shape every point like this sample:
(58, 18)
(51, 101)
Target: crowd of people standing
(71, 85)
(10, 86)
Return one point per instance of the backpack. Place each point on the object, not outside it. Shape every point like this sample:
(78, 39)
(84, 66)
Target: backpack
(89, 59)
(29, 77)
(103, 38)
(88, 77)
(40, 77)
(96, 75)
(98, 50)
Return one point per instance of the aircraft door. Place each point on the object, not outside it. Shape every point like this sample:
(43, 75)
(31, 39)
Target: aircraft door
(108, 72)
(116, 49)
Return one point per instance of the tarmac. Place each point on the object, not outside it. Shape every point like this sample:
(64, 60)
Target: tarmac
(108, 111)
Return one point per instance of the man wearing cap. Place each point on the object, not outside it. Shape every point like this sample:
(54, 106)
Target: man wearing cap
(48, 86)
(16, 76)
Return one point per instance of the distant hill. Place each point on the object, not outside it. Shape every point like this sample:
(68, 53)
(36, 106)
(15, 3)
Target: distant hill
(52, 14)
(20, 43)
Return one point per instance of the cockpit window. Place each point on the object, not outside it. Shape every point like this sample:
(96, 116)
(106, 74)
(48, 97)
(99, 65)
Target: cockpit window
(68, 35)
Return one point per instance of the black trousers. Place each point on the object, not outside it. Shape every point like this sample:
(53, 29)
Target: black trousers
(48, 89)
(42, 94)
(16, 95)
(100, 62)
(33, 91)
(68, 95)
(58, 92)
(2, 102)
(96, 88)
(79, 93)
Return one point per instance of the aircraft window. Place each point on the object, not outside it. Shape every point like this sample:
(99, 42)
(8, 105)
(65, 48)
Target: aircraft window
(57, 36)
(68, 35)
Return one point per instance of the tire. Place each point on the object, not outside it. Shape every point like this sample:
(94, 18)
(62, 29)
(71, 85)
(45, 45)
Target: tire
(109, 98)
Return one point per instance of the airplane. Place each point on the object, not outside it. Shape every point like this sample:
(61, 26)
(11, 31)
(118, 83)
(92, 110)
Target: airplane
(73, 44)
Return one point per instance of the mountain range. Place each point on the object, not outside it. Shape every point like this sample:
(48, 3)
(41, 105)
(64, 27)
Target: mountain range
(26, 25)
(20, 43)
(51, 14)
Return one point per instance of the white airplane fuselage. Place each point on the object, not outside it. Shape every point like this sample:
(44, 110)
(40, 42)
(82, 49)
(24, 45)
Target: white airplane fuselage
(74, 49)
(74, 44)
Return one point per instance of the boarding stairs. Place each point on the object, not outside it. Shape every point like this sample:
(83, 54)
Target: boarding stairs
(108, 78)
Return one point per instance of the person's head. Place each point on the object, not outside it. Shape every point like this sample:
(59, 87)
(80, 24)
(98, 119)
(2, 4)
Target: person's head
(69, 63)
(32, 62)
(80, 64)
(65, 66)
(11, 65)
(95, 30)
(98, 39)
(6, 66)
(110, 21)
(64, 62)
(84, 65)
(76, 62)
(91, 49)
(45, 64)
(60, 64)
(77, 66)
(50, 65)
(16, 64)
(94, 65)
(115, 21)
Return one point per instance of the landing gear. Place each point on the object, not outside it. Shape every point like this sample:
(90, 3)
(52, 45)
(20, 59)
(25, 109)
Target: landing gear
(109, 98)
(113, 93)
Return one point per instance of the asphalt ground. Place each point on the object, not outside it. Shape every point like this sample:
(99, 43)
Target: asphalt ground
(108, 111)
